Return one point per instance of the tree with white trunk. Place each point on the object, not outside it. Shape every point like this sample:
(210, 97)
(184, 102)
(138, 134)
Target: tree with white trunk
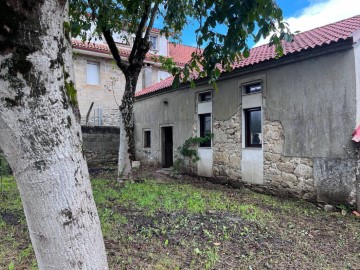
(41, 137)
(223, 27)
(39, 132)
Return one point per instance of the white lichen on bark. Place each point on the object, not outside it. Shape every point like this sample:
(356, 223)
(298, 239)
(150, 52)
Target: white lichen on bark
(41, 139)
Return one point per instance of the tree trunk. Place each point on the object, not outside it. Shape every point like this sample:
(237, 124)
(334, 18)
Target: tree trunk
(357, 187)
(41, 137)
(357, 180)
(127, 144)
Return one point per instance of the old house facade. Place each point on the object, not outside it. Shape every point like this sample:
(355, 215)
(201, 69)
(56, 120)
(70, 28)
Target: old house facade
(280, 125)
(100, 83)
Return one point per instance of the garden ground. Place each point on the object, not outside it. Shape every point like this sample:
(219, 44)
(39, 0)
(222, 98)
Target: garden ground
(160, 222)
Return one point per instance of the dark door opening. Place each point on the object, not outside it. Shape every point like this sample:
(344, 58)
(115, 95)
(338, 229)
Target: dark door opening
(167, 146)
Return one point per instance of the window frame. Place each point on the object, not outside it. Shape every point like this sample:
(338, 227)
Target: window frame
(154, 45)
(147, 140)
(199, 95)
(97, 64)
(247, 91)
(247, 118)
(202, 130)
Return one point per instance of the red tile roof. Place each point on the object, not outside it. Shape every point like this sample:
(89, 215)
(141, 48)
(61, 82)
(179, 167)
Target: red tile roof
(317, 37)
(181, 53)
(156, 87)
(103, 48)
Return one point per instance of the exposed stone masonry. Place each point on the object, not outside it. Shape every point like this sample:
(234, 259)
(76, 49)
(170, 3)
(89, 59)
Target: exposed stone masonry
(109, 118)
(227, 148)
(101, 146)
(288, 175)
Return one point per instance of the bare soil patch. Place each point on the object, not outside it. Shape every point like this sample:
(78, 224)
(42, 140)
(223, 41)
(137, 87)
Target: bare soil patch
(161, 222)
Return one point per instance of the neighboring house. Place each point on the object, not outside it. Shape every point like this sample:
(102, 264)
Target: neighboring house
(100, 82)
(281, 125)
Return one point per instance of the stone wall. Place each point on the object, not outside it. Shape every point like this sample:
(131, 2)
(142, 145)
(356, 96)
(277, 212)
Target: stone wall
(292, 176)
(286, 176)
(110, 118)
(108, 94)
(227, 148)
(101, 146)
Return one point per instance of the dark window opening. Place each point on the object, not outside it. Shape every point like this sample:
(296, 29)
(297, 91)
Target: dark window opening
(205, 128)
(147, 139)
(153, 41)
(204, 97)
(253, 136)
(253, 88)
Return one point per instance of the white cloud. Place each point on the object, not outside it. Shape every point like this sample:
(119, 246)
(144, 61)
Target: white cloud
(320, 13)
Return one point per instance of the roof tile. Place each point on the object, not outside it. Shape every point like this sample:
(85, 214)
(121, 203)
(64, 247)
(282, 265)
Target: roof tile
(181, 53)
(303, 41)
(103, 48)
(156, 87)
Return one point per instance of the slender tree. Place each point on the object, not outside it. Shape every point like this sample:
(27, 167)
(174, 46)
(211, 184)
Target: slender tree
(41, 138)
(239, 20)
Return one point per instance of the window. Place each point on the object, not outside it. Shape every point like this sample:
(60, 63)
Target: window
(253, 136)
(93, 73)
(147, 138)
(205, 97)
(253, 88)
(162, 75)
(205, 128)
(153, 40)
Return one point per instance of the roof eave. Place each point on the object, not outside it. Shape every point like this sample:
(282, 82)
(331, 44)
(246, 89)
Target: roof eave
(267, 64)
(107, 55)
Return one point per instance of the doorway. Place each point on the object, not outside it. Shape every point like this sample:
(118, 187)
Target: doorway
(167, 147)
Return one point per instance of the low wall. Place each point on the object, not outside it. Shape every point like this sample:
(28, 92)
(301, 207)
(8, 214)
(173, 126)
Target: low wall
(101, 146)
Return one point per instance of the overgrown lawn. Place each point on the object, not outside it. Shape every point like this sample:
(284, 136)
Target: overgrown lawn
(163, 223)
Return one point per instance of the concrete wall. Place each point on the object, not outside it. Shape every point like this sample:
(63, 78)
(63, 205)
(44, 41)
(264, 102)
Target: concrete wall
(177, 109)
(357, 75)
(101, 146)
(315, 102)
(309, 112)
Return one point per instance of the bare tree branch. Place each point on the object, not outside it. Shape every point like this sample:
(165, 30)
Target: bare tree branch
(114, 50)
(109, 39)
(139, 32)
(152, 19)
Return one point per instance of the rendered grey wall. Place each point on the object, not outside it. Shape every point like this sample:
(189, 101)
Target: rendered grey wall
(315, 102)
(226, 100)
(175, 109)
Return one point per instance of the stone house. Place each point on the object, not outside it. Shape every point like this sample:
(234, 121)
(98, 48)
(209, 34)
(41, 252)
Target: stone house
(100, 82)
(281, 125)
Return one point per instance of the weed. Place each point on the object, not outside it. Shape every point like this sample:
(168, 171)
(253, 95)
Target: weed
(4, 171)
(244, 231)
(166, 263)
(27, 252)
(145, 222)
(225, 232)
(212, 258)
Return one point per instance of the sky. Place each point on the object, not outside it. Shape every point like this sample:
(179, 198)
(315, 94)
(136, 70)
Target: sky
(301, 15)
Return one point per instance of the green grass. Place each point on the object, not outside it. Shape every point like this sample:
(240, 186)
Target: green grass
(152, 196)
(164, 225)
